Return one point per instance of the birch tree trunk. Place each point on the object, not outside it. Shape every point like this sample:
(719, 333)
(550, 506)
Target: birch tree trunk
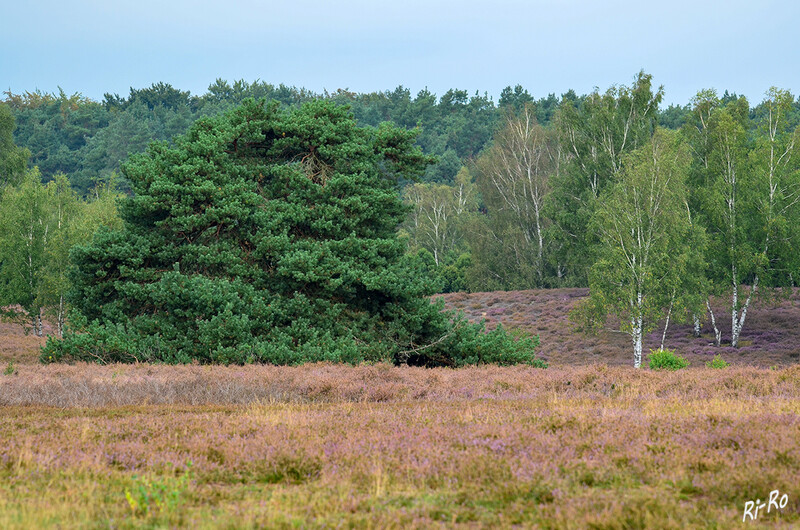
(737, 322)
(666, 324)
(717, 332)
(636, 333)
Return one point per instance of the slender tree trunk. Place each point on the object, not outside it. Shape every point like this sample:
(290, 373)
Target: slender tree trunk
(540, 253)
(666, 324)
(636, 336)
(717, 332)
(60, 318)
(696, 318)
(36, 323)
(636, 333)
(738, 323)
(734, 308)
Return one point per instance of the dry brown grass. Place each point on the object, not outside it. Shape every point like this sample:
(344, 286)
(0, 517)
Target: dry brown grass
(16, 346)
(90, 385)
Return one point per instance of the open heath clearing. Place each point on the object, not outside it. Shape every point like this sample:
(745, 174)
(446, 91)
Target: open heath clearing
(573, 446)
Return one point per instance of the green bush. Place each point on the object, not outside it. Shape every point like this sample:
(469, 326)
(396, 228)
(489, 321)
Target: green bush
(666, 360)
(717, 362)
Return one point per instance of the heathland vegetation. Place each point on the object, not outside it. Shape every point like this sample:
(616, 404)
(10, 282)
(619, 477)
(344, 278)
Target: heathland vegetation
(143, 446)
(273, 226)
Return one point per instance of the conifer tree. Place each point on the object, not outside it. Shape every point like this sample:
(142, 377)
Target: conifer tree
(268, 235)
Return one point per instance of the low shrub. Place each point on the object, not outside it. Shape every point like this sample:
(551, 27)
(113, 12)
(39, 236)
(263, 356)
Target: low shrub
(666, 360)
(717, 362)
(10, 369)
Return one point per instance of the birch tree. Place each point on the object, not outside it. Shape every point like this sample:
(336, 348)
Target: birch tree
(697, 131)
(439, 214)
(748, 199)
(774, 164)
(732, 191)
(24, 211)
(514, 178)
(596, 136)
(644, 237)
(40, 224)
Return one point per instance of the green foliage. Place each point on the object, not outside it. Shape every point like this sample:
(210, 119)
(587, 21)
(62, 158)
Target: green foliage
(40, 225)
(454, 272)
(13, 159)
(268, 235)
(508, 244)
(88, 140)
(158, 498)
(644, 255)
(666, 360)
(439, 224)
(598, 133)
(449, 276)
(10, 369)
(515, 98)
(674, 116)
(498, 347)
(55, 128)
(717, 362)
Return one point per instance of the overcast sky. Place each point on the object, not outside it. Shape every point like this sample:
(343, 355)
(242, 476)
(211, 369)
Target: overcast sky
(101, 46)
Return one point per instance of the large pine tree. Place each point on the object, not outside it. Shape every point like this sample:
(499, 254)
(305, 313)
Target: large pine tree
(268, 235)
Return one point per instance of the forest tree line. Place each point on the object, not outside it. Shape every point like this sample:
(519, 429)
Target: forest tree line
(653, 208)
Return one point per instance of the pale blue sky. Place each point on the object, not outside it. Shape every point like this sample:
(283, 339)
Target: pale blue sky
(98, 46)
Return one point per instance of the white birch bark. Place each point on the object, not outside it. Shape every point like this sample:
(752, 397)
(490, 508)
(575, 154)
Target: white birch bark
(666, 324)
(717, 332)
(637, 324)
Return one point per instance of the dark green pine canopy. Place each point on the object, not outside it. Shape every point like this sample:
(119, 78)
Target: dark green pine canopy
(268, 235)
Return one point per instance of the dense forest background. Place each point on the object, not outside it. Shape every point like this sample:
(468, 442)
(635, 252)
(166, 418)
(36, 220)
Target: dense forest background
(523, 190)
(87, 140)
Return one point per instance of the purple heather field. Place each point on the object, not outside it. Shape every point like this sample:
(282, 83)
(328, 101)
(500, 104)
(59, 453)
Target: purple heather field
(589, 442)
